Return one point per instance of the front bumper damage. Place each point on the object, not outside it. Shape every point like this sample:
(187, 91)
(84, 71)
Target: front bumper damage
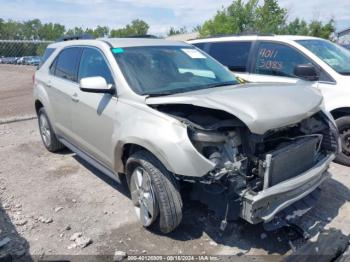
(265, 205)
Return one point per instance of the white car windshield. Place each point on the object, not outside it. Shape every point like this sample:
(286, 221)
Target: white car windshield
(334, 55)
(165, 70)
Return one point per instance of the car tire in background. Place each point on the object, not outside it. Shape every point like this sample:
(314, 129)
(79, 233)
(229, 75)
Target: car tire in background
(47, 134)
(343, 124)
(154, 192)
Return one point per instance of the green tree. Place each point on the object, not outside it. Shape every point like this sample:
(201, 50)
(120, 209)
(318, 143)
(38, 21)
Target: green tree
(197, 28)
(101, 31)
(316, 28)
(136, 28)
(271, 18)
(31, 29)
(75, 31)
(174, 31)
(236, 18)
(296, 27)
(268, 17)
(51, 31)
(12, 30)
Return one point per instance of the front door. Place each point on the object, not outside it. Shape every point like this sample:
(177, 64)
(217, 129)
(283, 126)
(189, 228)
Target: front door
(93, 113)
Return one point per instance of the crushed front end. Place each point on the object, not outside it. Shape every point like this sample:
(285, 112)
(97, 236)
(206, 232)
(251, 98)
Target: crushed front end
(257, 176)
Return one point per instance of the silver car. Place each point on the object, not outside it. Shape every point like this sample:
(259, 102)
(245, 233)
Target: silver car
(171, 118)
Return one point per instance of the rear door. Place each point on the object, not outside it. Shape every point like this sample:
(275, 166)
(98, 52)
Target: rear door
(62, 86)
(233, 55)
(93, 114)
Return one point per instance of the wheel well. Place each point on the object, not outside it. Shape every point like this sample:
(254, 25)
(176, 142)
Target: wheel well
(340, 112)
(130, 149)
(38, 105)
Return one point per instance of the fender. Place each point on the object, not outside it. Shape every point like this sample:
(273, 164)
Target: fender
(119, 150)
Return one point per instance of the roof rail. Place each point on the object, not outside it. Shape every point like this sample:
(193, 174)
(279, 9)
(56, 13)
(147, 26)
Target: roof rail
(139, 36)
(228, 35)
(75, 37)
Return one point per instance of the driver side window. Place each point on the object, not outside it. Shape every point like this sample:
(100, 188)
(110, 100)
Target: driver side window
(92, 64)
(278, 60)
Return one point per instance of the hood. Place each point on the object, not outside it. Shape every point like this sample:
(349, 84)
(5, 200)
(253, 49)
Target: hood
(261, 107)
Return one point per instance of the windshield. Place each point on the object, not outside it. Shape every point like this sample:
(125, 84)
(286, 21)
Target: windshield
(164, 70)
(334, 55)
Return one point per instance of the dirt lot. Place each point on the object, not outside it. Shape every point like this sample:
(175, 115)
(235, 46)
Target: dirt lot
(16, 91)
(46, 198)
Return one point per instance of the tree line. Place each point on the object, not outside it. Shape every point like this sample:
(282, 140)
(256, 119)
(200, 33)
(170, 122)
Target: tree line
(252, 16)
(36, 30)
(267, 17)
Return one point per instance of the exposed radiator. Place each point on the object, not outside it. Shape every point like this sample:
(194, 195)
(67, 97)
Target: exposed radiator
(292, 160)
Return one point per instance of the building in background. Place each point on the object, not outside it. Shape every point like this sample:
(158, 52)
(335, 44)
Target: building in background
(183, 37)
(343, 37)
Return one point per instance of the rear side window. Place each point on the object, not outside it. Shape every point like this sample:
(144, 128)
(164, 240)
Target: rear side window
(234, 55)
(67, 63)
(47, 54)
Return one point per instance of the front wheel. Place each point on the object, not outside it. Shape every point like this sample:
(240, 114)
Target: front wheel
(343, 124)
(154, 192)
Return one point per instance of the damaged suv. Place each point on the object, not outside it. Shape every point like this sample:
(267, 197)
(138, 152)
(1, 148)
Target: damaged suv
(166, 115)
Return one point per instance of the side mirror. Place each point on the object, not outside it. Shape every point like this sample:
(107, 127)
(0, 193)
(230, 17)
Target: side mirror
(306, 72)
(96, 84)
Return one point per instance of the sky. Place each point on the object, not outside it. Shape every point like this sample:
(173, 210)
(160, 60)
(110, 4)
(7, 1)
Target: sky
(159, 14)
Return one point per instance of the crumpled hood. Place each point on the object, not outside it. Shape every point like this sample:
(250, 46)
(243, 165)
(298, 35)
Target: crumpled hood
(260, 106)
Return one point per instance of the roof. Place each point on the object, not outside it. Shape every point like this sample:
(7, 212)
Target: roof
(122, 42)
(253, 37)
(128, 42)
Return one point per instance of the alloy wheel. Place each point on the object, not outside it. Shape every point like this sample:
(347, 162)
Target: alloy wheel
(45, 129)
(142, 195)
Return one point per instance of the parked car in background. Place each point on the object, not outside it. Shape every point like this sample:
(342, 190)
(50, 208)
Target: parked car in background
(165, 115)
(291, 59)
(20, 61)
(26, 60)
(12, 60)
(34, 61)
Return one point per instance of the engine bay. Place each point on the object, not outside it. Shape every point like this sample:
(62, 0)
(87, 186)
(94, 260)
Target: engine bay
(247, 162)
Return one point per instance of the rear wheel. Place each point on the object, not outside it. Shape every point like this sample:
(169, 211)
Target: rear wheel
(47, 134)
(343, 124)
(154, 192)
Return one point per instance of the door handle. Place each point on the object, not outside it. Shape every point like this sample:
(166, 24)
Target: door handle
(75, 98)
(49, 84)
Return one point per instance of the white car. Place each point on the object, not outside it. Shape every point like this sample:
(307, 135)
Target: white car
(291, 59)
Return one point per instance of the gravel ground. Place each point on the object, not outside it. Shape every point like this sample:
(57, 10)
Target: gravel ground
(57, 205)
(16, 88)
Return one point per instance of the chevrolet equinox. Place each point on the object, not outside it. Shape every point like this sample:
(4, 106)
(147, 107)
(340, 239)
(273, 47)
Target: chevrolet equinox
(172, 119)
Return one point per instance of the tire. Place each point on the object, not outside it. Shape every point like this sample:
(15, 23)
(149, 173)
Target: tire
(343, 124)
(167, 202)
(47, 134)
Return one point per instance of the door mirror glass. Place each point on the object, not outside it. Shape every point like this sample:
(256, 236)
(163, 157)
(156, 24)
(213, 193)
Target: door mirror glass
(96, 84)
(306, 72)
